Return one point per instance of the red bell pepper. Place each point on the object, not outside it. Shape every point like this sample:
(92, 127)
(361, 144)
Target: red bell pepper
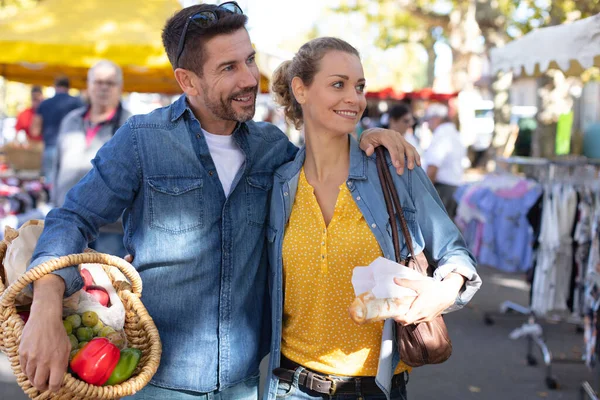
(95, 362)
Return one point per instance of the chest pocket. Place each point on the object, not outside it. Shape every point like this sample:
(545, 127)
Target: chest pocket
(257, 196)
(175, 203)
(411, 221)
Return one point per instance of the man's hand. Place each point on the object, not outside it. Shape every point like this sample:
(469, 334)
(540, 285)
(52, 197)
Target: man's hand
(433, 297)
(395, 144)
(45, 346)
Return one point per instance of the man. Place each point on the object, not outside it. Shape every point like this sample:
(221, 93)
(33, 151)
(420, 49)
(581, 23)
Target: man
(47, 120)
(82, 133)
(444, 156)
(192, 182)
(401, 120)
(25, 117)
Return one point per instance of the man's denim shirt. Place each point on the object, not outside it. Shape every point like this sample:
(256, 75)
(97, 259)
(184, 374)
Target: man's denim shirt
(202, 256)
(430, 227)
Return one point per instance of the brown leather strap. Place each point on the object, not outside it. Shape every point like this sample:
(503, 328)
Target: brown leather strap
(392, 203)
(328, 384)
(308, 379)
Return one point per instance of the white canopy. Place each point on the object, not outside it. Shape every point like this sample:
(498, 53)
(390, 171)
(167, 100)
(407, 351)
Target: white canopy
(572, 47)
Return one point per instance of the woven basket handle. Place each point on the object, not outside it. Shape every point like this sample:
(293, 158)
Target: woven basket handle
(11, 292)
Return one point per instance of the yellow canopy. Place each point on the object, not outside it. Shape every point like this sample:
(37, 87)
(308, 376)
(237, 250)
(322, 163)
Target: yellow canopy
(66, 37)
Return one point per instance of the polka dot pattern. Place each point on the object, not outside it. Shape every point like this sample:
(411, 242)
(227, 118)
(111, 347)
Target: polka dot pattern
(318, 261)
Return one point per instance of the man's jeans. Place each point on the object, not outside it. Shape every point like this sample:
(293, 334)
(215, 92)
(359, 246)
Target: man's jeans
(247, 390)
(293, 391)
(48, 163)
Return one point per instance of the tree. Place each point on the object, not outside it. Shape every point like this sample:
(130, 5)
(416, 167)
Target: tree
(471, 28)
(11, 7)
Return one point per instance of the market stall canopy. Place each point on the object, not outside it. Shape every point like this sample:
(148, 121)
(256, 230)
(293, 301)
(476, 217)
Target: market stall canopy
(572, 47)
(65, 37)
(422, 94)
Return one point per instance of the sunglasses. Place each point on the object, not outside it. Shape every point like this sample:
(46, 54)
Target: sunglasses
(204, 19)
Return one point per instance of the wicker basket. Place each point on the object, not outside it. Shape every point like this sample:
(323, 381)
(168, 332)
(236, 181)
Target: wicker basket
(139, 328)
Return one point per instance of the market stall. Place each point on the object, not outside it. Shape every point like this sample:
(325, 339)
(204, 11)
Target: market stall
(64, 37)
(572, 48)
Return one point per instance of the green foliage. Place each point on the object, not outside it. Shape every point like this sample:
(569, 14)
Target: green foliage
(8, 8)
(404, 21)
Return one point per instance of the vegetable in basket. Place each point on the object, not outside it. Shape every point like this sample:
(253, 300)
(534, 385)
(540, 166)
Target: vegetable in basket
(99, 293)
(96, 361)
(90, 287)
(127, 364)
(87, 278)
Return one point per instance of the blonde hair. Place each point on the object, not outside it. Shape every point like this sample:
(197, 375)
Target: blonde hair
(305, 66)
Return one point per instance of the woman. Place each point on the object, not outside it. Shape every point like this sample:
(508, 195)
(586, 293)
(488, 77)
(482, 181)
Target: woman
(327, 217)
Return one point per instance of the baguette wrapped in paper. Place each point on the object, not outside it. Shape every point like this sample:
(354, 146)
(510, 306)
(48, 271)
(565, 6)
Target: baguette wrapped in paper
(367, 308)
(377, 295)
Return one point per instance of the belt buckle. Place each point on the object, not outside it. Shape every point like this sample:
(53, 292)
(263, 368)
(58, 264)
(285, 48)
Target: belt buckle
(333, 387)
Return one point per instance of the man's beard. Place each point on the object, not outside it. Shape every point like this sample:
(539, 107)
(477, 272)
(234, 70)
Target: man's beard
(223, 108)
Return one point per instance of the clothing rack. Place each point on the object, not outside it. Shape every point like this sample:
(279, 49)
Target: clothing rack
(575, 171)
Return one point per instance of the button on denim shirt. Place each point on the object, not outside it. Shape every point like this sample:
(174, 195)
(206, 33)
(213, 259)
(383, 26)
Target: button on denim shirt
(430, 227)
(201, 256)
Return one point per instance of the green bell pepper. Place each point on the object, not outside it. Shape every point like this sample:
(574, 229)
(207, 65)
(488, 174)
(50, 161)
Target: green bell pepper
(127, 363)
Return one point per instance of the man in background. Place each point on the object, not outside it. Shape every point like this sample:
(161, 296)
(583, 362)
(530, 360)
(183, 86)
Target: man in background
(47, 119)
(444, 156)
(82, 132)
(402, 121)
(25, 117)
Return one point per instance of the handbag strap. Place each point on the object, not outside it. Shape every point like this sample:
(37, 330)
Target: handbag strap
(392, 203)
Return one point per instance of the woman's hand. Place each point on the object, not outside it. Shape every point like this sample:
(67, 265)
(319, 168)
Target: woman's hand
(433, 297)
(395, 144)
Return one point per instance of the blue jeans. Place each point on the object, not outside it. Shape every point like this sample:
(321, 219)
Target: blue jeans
(293, 391)
(48, 159)
(247, 390)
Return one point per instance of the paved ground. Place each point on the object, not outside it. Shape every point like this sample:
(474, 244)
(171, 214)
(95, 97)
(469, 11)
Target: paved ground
(486, 364)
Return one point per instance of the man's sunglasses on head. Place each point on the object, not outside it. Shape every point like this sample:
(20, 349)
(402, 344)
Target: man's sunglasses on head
(204, 19)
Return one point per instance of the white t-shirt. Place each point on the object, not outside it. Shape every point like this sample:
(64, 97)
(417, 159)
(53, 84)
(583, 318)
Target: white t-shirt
(227, 156)
(446, 152)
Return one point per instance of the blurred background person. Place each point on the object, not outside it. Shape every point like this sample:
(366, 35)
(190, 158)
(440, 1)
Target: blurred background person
(25, 117)
(401, 120)
(82, 132)
(444, 155)
(47, 119)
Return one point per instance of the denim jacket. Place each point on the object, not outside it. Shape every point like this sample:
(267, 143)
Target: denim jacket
(201, 255)
(430, 227)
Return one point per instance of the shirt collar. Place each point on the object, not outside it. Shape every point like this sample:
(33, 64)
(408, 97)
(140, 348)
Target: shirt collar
(358, 161)
(110, 117)
(180, 106)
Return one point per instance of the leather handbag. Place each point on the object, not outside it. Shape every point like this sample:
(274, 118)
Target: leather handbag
(426, 342)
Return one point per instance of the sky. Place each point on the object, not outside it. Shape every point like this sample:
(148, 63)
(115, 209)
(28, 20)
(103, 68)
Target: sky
(272, 22)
